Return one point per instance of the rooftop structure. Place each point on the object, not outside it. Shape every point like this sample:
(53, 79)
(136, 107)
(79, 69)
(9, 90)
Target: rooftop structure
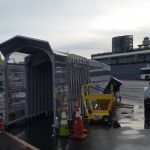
(122, 43)
(145, 44)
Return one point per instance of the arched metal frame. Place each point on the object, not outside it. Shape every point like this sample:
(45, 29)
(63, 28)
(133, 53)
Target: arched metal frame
(52, 58)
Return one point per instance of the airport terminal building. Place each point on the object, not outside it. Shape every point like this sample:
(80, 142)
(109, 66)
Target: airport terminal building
(125, 61)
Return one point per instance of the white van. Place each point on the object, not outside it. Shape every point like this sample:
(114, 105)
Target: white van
(145, 73)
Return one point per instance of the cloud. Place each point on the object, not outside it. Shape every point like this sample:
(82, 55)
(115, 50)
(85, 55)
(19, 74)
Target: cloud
(75, 24)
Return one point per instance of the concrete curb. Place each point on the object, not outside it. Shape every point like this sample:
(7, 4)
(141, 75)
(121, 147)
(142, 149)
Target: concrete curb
(21, 142)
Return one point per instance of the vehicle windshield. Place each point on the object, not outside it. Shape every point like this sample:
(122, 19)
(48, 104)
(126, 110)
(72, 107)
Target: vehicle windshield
(145, 71)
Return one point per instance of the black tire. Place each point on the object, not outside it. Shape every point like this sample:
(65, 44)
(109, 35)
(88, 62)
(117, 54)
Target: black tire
(106, 119)
(147, 78)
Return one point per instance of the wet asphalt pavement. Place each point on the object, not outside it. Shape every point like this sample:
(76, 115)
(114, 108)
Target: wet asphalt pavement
(131, 135)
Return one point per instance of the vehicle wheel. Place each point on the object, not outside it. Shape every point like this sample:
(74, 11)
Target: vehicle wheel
(106, 119)
(147, 78)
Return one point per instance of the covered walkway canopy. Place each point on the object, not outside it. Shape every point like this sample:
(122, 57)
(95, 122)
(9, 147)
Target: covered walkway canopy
(39, 86)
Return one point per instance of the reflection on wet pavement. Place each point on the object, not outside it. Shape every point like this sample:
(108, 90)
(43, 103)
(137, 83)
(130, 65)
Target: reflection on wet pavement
(131, 135)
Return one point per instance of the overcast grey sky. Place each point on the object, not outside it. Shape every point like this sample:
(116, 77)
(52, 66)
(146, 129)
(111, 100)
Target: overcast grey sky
(78, 26)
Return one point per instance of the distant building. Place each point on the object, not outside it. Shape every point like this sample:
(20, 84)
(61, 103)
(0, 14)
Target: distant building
(126, 64)
(146, 43)
(122, 43)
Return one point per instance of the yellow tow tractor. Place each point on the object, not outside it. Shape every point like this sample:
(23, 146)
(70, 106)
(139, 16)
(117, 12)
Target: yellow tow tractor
(98, 102)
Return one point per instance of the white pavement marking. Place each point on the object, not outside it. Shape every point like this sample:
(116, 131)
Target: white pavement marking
(21, 141)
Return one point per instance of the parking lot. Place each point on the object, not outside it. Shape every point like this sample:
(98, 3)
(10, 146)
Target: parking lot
(132, 91)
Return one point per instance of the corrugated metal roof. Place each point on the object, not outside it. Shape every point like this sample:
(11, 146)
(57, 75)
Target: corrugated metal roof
(60, 53)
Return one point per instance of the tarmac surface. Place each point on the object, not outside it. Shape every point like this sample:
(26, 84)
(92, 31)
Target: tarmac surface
(131, 135)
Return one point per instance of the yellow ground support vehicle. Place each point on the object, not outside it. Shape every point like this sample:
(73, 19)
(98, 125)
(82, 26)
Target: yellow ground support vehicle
(98, 105)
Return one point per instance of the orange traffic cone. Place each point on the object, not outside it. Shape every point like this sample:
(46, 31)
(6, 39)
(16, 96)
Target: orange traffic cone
(78, 131)
(76, 105)
(76, 108)
(73, 123)
(1, 123)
